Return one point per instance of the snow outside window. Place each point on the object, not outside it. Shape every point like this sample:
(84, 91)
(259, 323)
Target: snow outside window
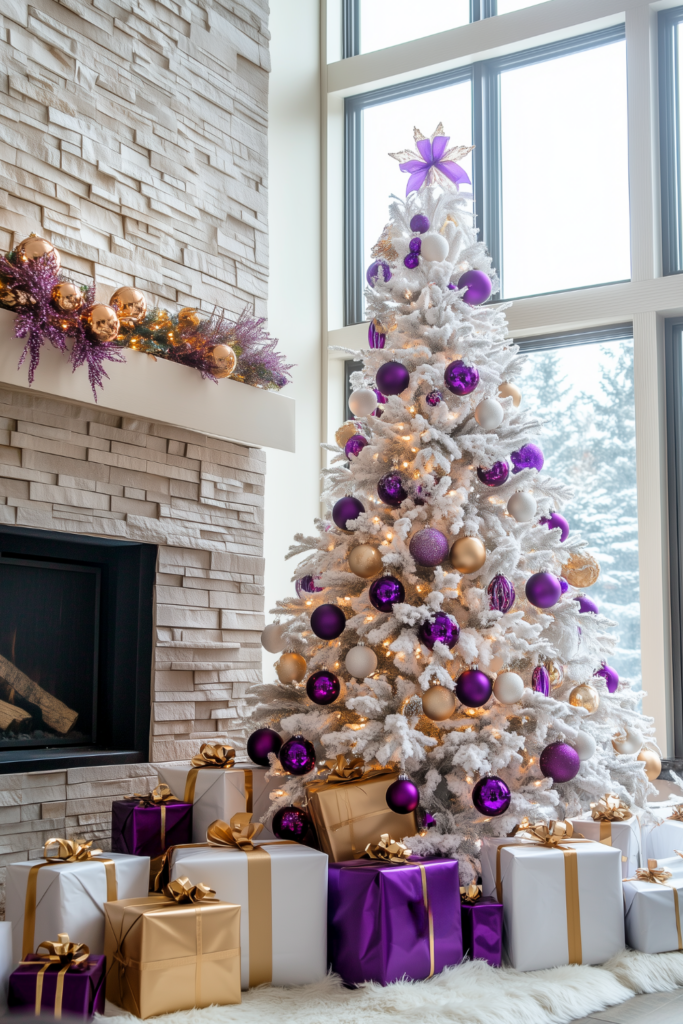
(385, 23)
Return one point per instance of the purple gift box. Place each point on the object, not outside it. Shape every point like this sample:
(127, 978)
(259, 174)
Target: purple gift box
(148, 831)
(389, 921)
(482, 930)
(82, 992)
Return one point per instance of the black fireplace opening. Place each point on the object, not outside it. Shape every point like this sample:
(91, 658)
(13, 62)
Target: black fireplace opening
(76, 644)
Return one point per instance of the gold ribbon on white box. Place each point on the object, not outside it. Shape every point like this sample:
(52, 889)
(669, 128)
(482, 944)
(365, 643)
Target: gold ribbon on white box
(217, 757)
(660, 876)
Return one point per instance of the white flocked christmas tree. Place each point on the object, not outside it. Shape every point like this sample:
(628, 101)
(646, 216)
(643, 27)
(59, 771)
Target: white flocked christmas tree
(449, 474)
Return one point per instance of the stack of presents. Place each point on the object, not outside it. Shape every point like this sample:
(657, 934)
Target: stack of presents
(199, 901)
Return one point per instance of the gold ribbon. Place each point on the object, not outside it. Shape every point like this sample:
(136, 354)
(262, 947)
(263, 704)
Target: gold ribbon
(240, 833)
(430, 917)
(388, 850)
(69, 851)
(159, 797)
(660, 876)
(677, 814)
(342, 770)
(182, 890)
(609, 808)
(217, 756)
(471, 894)
(65, 953)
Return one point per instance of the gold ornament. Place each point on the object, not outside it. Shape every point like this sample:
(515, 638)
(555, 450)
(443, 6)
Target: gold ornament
(652, 762)
(554, 673)
(189, 317)
(67, 297)
(224, 361)
(412, 706)
(12, 298)
(582, 570)
(507, 390)
(33, 247)
(585, 696)
(468, 554)
(438, 703)
(346, 431)
(365, 561)
(291, 668)
(102, 323)
(130, 305)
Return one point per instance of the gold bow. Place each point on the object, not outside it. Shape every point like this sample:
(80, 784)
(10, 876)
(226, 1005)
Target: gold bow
(63, 951)
(214, 756)
(69, 850)
(239, 834)
(342, 770)
(389, 850)
(182, 890)
(158, 797)
(610, 808)
(471, 894)
(551, 834)
(677, 814)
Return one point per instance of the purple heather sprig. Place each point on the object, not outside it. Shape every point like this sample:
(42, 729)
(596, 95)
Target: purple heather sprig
(37, 322)
(84, 350)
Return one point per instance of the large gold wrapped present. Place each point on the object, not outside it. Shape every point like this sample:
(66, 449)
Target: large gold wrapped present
(164, 956)
(349, 809)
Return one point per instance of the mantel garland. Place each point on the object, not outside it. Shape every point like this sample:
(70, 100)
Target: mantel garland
(51, 308)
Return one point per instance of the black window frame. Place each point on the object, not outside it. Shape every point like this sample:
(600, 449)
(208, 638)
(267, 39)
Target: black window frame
(671, 169)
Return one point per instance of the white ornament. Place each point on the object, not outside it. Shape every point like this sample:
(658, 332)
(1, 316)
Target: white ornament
(522, 506)
(489, 414)
(363, 402)
(272, 639)
(629, 744)
(584, 745)
(434, 248)
(508, 687)
(361, 662)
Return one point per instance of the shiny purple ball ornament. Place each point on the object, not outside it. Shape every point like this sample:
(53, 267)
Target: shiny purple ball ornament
(473, 688)
(540, 680)
(261, 743)
(529, 456)
(297, 756)
(382, 400)
(543, 590)
(290, 823)
(385, 592)
(323, 687)
(433, 398)
(610, 676)
(501, 594)
(559, 762)
(461, 379)
(391, 490)
(392, 378)
(402, 796)
(328, 621)
(491, 796)
(564, 586)
(478, 286)
(355, 445)
(346, 508)
(495, 476)
(377, 269)
(376, 336)
(429, 547)
(419, 223)
(586, 604)
(306, 585)
(556, 522)
(441, 629)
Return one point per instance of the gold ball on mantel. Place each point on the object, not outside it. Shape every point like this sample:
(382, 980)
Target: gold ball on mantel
(67, 297)
(291, 668)
(102, 323)
(365, 561)
(438, 703)
(468, 554)
(582, 570)
(585, 696)
(652, 762)
(130, 305)
(344, 432)
(33, 247)
(223, 361)
(11, 298)
(507, 390)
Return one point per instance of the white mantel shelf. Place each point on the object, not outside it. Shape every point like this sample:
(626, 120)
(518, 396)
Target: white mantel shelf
(145, 388)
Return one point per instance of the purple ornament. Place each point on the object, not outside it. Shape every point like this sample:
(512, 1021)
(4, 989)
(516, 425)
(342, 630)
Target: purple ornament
(373, 272)
(543, 590)
(555, 522)
(306, 585)
(586, 604)
(491, 796)
(419, 223)
(425, 820)
(433, 398)
(610, 676)
(297, 756)
(415, 244)
(501, 594)
(540, 680)
(478, 286)
(392, 378)
(473, 688)
(290, 823)
(323, 687)
(564, 586)
(411, 261)
(355, 445)
(529, 456)
(328, 621)
(376, 336)
(441, 629)
(390, 489)
(261, 743)
(495, 476)
(461, 379)
(385, 592)
(402, 796)
(346, 508)
(559, 762)
(429, 547)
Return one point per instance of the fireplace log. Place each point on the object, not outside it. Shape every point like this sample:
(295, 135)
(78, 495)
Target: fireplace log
(56, 715)
(12, 716)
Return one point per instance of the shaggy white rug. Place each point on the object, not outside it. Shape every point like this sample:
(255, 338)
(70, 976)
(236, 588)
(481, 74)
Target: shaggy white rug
(472, 993)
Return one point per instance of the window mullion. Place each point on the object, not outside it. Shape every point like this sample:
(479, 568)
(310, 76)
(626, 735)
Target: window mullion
(350, 28)
(669, 113)
(353, 214)
(488, 163)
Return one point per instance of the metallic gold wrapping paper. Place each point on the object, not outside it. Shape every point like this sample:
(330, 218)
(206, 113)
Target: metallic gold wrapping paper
(163, 956)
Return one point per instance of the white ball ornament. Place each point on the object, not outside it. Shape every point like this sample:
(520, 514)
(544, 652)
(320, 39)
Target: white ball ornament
(434, 248)
(363, 402)
(361, 662)
(522, 506)
(584, 745)
(508, 687)
(631, 743)
(272, 638)
(489, 414)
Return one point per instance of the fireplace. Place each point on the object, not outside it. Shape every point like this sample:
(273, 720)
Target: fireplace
(76, 625)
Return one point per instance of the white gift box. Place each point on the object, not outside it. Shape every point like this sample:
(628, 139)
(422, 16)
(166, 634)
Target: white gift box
(293, 931)
(70, 897)
(535, 891)
(663, 839)
(624, 836)
(652, 913)
(220, 793)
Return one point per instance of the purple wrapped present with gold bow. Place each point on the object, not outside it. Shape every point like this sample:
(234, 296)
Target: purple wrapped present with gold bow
(482, 926)
(147, 826)
(65, 979)
(391, 917)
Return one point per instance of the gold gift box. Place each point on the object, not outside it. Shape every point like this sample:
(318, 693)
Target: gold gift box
(349, 815)
(164, 956)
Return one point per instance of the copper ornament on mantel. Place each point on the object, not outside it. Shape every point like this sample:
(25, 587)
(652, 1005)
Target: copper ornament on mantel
(223, 360)
(130, 305)
(582, 570)
(67, 297)
(102, 323)
(33, 247)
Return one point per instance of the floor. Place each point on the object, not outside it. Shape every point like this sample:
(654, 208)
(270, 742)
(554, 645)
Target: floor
(658, 1008)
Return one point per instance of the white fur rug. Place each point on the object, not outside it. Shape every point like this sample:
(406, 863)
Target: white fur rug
(472, 993)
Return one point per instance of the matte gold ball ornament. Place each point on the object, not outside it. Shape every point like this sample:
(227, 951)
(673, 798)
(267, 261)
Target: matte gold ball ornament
(652, 762)
(585, 696)
(33, 247)
(365, 561)
(130, 305)
(344, 432)
(67, 297)
(507, 390)
(223, 361)
(102, 323)
(582, 570)
(291, 668)
(468, 554)
(438, 703)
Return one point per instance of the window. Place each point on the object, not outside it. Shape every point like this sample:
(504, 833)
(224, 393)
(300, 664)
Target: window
(674, 406)
(505, 6)
(382, 25)
(670, 57)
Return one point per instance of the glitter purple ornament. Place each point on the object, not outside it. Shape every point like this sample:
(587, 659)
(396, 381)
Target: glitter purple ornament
(501, 594)
(290, 823)
(433, 398)
(543, 590)
(540, 680)
(306, 585)
(478, 286)
(529, 456)
(411, 261)
(392, 378)
(441, 629)
(415, 244)
(297, 756)
(460, 378)
(347, 508)
(429, 547)
(376, 335)
(385, 592)
(419, 223)
(402, 796)
(586, 604)
(261, 743)
(495, 476)
(391, 490)
(328, 621)
(355, 445)
(491, 796)
(610, 676)
(564, 586)
(373, 272)
(559, 762)
(323, 687)
(473, 688)
(556, 522)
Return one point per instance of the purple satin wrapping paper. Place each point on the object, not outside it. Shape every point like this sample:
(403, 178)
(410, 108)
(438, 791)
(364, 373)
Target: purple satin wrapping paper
(83, 993)
(137, 830)
(378, 927)
(482, 930)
